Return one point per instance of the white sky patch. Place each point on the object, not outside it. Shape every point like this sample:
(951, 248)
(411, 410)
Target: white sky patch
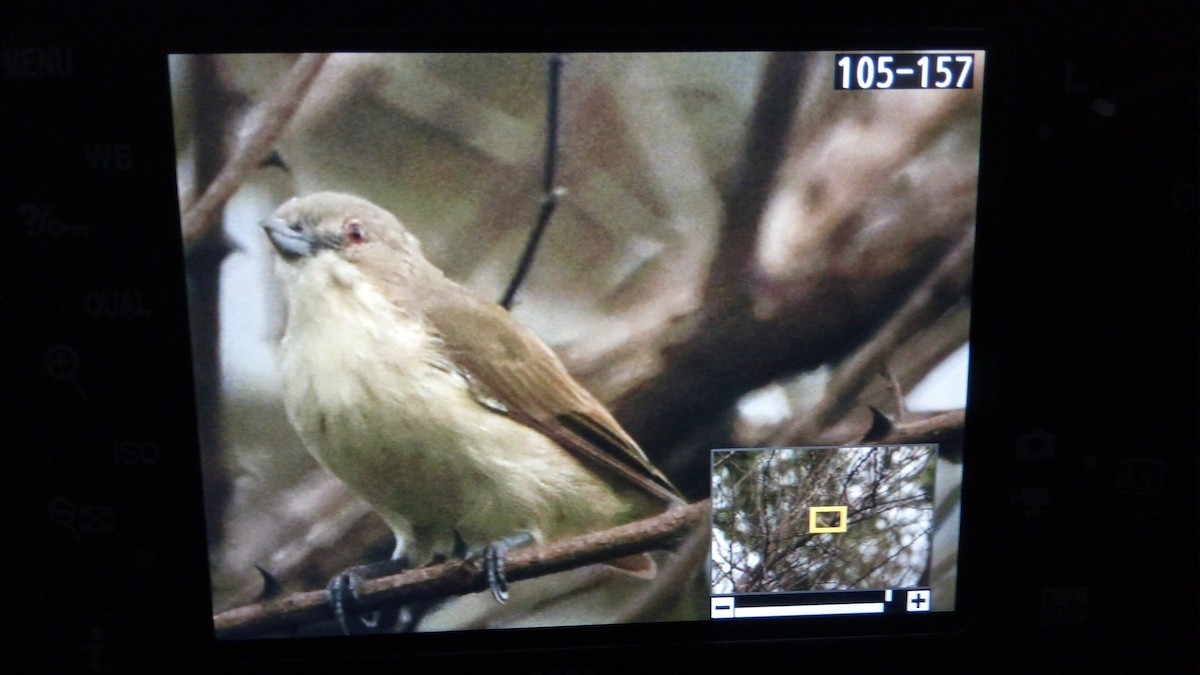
(766, 406)
(945, 388)
(248, 359)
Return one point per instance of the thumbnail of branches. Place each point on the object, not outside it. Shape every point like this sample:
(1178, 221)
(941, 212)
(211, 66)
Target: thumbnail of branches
(764, 538)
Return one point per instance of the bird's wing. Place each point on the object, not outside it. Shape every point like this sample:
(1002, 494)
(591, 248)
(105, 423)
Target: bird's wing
(512, 371)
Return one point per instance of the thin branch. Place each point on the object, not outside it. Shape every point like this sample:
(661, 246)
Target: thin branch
(897, 391)
(926, 429)
(462, 577)
(550, 192)
(273, 115)
(674, 579)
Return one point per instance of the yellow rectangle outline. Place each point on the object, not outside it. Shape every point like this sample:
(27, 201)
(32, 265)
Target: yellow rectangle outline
(812, 518)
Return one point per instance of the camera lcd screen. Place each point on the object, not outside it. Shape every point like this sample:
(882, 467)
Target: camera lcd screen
(514, 340)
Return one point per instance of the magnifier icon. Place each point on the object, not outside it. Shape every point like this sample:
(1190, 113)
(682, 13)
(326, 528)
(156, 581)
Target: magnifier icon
(62, 364)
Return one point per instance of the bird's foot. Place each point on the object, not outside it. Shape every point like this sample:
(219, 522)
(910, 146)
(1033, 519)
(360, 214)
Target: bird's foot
(343, 594)
(493, 561)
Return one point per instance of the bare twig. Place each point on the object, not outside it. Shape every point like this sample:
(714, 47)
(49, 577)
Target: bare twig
(928, 429)
(550, 192)
(677, 578)
(461, 577)
(897, 390)
(273, 116)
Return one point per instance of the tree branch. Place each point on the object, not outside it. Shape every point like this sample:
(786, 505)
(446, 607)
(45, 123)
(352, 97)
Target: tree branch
(673, 581)
(763, 154)
(273, 116)
(944, 287)
(462, 577)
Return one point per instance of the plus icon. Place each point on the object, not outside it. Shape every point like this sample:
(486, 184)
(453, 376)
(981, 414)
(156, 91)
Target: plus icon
(918, 601)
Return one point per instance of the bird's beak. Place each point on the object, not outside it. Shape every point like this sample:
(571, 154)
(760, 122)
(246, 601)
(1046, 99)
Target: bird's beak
(290, 243)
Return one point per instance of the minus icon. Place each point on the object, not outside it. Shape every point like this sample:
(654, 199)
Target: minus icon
(904, 71)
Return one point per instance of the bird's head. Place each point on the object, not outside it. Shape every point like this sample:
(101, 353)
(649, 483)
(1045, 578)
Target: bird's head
(332, 223)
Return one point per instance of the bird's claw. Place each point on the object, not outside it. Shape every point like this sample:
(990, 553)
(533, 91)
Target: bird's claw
(342, 592)
(343, 595)
(493, 564)
(493, 556)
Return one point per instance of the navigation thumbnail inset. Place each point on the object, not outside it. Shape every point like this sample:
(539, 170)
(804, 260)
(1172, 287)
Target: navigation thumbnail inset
(821, 518)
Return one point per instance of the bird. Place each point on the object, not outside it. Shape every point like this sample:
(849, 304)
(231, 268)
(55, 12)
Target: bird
(450, 418)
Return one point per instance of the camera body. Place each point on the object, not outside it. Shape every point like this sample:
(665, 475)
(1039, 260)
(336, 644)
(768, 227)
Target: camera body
(1072, 467)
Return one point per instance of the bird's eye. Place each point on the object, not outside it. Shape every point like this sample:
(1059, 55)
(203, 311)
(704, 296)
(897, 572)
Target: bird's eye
(355, 234)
